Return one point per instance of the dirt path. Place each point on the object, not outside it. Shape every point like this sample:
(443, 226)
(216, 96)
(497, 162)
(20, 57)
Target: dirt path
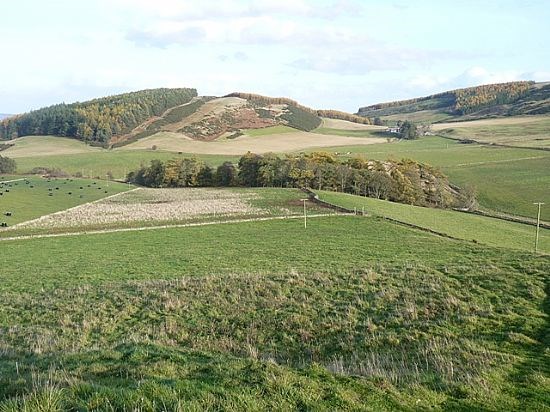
(143, 228)
(9, 181)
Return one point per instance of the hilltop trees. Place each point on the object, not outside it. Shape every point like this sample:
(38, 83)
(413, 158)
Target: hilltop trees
(405, 181)
(96, 120)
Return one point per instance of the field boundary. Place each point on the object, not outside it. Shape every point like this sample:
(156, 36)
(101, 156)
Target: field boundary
(508, 218)
(315, 198)
(16, 226)
(144, 228)
(456, 139)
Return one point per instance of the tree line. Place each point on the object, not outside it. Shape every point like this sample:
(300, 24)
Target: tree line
(331, 114)
(96, 120)
(475, 98)
(467, 100)
(404, 181)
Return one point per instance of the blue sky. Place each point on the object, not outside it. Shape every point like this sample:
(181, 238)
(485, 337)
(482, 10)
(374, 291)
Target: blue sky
(339, 54)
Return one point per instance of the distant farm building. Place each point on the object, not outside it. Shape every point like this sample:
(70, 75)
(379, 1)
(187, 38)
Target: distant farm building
(392, 129)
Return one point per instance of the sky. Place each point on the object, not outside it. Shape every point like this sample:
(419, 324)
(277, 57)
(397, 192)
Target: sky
(331, 54)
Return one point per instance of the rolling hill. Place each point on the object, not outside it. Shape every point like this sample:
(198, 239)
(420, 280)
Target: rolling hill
(122, 119)
(486, 101)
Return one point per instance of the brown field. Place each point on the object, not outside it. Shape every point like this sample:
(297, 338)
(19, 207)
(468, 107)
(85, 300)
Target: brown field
(149, 205)
(31, 146)
(284, 142)
(345, 125)
(502, 121)
(524, 131)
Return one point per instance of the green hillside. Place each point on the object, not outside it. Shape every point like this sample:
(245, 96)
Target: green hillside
(490, 231)
(503, 99)
(96, 120)
(351, 314)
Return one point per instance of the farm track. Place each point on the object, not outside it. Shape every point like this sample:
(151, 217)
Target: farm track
(9, 181)
(176, 226)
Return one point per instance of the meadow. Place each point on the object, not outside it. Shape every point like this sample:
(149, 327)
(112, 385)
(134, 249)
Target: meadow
(519, 131)
(351, 313)
(506, 180)
(489, 231)
(29, 197)
(144, 208)
(118, 162)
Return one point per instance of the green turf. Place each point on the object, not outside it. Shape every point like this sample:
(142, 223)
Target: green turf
(352, 313)
(265, 203)
(509, 187)
(266, 131)
(507, 180)
(119, 162)
(535, 132)
(352, 133)
(28, 201)
(482, 229)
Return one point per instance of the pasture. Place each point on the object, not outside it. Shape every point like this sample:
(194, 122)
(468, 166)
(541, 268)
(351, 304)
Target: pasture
(460, 225)
(353, 313)
(507, 180)
(524, 131)
(31, 146)
(32, 197)
(277, 143)
(144, 207)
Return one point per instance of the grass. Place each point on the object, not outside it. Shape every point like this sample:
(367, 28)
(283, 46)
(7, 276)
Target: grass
(482, 229)
(169, 207)
(527, 131)
(507, 180)
(509, 187)
(351, 314)
(47, 145)
(266, 131)
(352, 133)
(118, 162)
(30, 200)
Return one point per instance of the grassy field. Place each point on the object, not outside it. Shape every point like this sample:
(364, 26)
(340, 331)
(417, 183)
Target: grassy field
(351, 314)
(266, 131)
(141, 208)
(509, 187)
(41, 196)
(484, 230)
(47, 146)
(526, 131)
(376, 133)
(277, 143)
(507, 180)
(118, 162)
